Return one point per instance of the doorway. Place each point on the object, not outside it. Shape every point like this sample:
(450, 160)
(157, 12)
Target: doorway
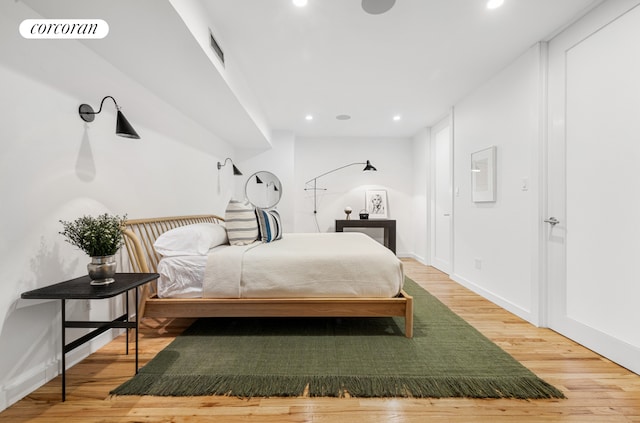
(592, 234)
(442, 204)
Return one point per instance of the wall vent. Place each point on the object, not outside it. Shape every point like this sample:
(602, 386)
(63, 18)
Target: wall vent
(216, 47)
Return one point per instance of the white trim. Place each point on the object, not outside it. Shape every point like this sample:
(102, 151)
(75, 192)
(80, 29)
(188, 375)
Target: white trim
(419, 259)
(539, 284)
(616, 350)
(30, 380)
(496, 299)
(24, 383)
(446, 122)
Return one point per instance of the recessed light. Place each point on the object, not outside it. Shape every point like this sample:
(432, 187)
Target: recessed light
(343, 117)
(308, 117)
(397, 118)
(300, 3)
(494, 4)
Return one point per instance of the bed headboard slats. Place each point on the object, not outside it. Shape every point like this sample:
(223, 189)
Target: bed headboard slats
(140, 234)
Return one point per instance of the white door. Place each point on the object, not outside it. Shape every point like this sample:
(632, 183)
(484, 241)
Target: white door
(593, 187)
(442, 197)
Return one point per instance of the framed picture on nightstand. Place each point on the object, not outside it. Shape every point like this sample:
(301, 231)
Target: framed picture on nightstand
(376, 204)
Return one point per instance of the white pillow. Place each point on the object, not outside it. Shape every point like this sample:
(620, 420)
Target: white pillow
(191, 240)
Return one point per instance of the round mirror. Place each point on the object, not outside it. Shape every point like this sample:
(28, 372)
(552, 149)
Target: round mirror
(263, 189)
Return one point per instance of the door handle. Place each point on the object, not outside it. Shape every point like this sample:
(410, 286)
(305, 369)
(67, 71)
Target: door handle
(552, 221)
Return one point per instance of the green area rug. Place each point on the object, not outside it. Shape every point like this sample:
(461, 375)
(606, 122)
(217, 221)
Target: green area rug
(364, 357)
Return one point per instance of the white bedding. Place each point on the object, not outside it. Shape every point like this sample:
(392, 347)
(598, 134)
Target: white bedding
(182, 276)
(348, 264)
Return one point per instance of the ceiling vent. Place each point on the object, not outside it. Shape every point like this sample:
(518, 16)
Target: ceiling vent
(216, 47)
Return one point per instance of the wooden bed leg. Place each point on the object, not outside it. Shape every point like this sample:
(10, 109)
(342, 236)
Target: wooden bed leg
(408, 316)
(144, 294)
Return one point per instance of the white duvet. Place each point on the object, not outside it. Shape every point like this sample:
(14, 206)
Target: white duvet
(348, 264)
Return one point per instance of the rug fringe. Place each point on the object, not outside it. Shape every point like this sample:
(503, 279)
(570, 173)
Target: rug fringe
(336, 386)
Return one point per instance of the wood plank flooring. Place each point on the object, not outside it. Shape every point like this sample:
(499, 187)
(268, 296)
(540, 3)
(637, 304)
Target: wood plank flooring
(596, 389)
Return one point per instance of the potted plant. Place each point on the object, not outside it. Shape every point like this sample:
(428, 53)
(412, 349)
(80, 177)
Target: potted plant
(100, 237)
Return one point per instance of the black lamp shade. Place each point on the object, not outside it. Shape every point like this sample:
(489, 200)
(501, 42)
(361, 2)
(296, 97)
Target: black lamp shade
(236, 171)
(124, 128)
(369, 166)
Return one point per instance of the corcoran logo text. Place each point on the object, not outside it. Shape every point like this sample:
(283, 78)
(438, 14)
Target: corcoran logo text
(64, 28)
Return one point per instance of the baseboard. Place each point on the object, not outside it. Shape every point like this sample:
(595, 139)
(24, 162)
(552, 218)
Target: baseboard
(31, 379)
(27, 382)
(419, 259)
(616, 350)
(496, 299)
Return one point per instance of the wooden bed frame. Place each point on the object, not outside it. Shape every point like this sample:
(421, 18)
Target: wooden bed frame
(140, 234)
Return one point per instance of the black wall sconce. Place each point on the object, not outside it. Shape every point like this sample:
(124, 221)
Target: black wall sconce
(123, 127)
(236, 171)
(368, 167)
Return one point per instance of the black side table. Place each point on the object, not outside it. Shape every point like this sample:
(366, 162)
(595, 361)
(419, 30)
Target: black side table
(81, 289)
(389, 226)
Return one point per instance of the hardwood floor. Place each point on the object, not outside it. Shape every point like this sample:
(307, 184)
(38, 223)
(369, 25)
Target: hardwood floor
(597, 390)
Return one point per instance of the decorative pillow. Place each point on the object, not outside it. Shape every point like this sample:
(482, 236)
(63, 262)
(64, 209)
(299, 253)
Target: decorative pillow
(241, 222)
(270, 225)
(191, 240)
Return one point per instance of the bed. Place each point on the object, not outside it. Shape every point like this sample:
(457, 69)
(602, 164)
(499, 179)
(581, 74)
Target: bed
(141, 234)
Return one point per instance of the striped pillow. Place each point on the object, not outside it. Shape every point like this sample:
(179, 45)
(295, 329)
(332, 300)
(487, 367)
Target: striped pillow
(270, 225)
(241, 223)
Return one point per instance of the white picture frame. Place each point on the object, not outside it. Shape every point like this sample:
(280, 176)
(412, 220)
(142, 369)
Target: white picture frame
(376, 204)
(483, 175)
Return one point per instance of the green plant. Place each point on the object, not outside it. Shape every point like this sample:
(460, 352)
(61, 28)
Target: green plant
(96, 236)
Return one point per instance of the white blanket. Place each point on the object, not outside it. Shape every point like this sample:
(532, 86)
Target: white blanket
(223, 273)
(348, 264)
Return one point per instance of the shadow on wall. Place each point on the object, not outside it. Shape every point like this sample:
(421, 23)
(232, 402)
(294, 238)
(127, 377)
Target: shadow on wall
(30, 338)
(85, 165)
(48, 266)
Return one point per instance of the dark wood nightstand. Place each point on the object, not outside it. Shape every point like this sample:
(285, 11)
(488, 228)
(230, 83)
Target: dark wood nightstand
(388, 225)
(81, 289)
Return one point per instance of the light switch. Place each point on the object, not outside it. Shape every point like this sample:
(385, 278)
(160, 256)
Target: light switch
(524, 184)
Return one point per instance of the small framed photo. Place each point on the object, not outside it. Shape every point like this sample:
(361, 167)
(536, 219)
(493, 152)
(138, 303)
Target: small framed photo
(376, 204)
(483, 175)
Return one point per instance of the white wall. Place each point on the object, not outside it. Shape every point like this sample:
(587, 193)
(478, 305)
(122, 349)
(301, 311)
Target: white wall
(392, 157)
(495, 244)
(54, 166)
(279, 160)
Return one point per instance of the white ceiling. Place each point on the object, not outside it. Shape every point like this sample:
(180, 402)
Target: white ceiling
(329, 58)
(417, 60)
(149, 41)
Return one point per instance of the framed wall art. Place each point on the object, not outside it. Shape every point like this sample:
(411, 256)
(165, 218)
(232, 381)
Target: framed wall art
(376, 204)
(483, 175)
